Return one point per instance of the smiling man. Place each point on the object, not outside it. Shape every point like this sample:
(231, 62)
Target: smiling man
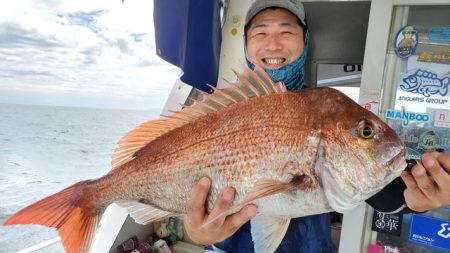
(276, 39)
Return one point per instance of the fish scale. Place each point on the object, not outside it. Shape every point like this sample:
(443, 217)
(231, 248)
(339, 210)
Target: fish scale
(290, 153)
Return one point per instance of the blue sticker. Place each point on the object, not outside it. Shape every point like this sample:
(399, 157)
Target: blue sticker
(430, 231)
(426, 83)
(406, 116)
(405, 42)
(439, 34)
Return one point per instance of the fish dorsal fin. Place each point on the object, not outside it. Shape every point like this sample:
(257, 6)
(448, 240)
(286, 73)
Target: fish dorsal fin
(142, 213)
(254, 84)
(268, 232)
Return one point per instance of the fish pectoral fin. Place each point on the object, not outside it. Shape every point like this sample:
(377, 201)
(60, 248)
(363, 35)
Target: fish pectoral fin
(267, 187)
(267, 232)
(143, 213)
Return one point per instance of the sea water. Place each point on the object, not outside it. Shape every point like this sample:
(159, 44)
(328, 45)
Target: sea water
(44, 149)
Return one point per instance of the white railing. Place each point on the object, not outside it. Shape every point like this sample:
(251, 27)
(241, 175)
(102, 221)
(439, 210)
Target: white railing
(40, 245)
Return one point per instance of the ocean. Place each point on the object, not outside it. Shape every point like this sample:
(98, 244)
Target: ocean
(44, 149)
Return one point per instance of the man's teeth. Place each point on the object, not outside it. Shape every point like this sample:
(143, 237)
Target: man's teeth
(274, 61)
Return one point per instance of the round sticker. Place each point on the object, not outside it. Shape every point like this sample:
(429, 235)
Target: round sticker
(405, 42)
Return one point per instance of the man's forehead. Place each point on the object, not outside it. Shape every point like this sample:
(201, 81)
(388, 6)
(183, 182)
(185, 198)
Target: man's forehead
(278, 17)
(265, 25)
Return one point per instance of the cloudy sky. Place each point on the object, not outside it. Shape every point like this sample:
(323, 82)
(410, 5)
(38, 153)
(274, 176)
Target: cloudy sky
(95, 53)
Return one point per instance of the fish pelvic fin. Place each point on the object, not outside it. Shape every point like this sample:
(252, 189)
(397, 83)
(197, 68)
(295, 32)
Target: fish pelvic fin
(76, 225)
(253, 84)
(268, 232)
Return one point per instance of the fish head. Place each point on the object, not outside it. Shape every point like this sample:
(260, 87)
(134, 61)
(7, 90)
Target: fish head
(358, 154)
(412, 81)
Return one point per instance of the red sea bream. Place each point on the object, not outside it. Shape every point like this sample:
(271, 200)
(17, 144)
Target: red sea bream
(290, 153)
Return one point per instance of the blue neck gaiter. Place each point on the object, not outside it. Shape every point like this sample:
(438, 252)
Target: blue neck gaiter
(292, 75)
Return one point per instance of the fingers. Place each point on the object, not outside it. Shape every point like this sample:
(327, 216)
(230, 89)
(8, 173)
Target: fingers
(222, 205)
(215, 227)
(409, 180)
(435, 164)
(424, 182)
(235, 221)
(196, 203)
(428, 183)
(414, 196)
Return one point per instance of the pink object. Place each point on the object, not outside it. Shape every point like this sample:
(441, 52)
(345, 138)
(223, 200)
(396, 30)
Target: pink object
(378, 247)
(144, 247)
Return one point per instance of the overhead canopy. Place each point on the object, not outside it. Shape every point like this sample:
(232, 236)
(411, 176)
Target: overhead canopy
(188, 35)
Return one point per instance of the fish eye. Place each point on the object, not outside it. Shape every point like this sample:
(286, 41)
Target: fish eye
(366, 131)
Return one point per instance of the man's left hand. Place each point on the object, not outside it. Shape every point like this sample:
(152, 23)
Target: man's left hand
(428, 183)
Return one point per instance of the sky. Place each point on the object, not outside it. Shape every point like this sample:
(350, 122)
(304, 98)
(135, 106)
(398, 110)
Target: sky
(86, 53)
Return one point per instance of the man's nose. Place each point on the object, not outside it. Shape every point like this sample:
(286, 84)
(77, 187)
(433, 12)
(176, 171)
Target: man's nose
(274, 42)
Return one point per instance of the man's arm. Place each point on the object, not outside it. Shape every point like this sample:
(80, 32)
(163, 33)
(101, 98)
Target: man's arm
(428, 183)
(219, 229)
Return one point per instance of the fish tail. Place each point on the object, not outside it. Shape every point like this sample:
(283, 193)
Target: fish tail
(76, 223)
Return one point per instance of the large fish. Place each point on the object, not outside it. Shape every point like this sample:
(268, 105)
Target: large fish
(291, 153)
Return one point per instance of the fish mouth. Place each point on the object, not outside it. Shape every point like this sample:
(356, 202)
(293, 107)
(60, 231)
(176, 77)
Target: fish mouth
(398, 163)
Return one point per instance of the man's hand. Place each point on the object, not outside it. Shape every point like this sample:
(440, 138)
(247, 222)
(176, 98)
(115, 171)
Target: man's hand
(219, 229)
(428, 191)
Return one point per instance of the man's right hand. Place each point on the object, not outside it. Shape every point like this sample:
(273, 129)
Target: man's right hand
(221, 228)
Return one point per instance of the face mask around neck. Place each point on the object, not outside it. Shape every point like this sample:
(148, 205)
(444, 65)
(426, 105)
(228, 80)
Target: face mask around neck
(292, 75)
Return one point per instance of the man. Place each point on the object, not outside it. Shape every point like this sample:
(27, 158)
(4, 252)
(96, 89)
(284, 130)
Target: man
(276, 38)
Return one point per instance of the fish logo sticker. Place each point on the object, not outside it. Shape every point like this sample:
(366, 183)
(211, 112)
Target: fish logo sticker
(426, 83)
(405, 42)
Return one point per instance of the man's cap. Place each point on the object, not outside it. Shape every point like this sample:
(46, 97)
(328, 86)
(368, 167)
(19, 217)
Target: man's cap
(294, 6)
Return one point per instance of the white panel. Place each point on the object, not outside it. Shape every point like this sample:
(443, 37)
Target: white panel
(178, 95)
(376, 44)
(232, 51)
(110, 226)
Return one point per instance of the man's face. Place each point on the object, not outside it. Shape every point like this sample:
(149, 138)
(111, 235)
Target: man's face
(274, 39)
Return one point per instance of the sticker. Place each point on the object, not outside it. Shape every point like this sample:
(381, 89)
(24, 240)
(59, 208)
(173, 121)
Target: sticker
(439, 34)
(406, 116)
(442, 118)
(405, 42)
(370, 100)
(430, 231)
(379, 247)
(372, 106)
(235, 24)
(414, 99)
(428, 56)
(426, 83)
(387, 223)
(419, 139)
(428, 141)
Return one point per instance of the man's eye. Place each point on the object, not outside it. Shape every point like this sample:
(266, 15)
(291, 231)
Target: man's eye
(258, 35)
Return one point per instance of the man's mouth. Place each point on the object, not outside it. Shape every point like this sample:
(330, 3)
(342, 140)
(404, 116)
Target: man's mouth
(274, 62)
